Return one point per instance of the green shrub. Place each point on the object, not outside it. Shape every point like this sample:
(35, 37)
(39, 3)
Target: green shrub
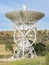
(39, 48)
(8, 46)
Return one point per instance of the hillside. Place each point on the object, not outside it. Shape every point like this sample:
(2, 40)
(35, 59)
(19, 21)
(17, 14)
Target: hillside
(7, 42)
(42, 36)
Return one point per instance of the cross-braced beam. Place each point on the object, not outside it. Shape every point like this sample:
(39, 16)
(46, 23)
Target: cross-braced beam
(24, 41)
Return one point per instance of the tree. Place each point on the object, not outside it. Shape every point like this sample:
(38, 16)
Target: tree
(39, 48)
(8, 46)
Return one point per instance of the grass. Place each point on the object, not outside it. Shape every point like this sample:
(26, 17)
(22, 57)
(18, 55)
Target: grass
(3, 51)
(30, 61)
(33, 61)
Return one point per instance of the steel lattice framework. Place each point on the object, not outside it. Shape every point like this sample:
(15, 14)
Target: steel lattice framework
(24, 23)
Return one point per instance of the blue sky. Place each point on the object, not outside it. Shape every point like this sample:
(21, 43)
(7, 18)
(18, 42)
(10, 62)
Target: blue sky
(35, 5)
